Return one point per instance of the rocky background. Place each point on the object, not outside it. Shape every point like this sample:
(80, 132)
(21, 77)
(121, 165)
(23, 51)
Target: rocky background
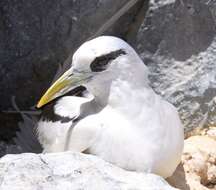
(177, 42)
(175, 38)
(38, 36)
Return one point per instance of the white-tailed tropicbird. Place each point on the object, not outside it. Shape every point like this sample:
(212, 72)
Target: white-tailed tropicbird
(124, 121)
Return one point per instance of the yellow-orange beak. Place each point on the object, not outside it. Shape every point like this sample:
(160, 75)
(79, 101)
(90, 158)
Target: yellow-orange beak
(65, 83)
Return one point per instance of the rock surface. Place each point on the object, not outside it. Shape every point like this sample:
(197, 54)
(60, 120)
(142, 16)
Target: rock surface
(71, 171)
(198, 168)
(37, 36)
(177, 41)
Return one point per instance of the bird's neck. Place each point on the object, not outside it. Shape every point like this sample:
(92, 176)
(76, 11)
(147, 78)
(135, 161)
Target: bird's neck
(127, 88)
(129, 98)
(125, 94)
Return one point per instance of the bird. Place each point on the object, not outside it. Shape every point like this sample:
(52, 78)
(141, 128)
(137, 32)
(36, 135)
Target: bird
(118, 116)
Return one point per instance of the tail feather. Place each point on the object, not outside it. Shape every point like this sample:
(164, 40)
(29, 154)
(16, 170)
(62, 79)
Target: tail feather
(26, 138)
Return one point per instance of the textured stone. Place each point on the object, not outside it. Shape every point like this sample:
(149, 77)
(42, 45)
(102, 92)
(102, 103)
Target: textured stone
(198, 168)
(177, 41)
(71, 171)
(37, 36)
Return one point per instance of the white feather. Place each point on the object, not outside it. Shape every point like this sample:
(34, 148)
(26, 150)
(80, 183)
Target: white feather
(136, 129)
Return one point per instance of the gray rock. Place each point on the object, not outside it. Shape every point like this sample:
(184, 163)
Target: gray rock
(178, 29)
(70, 171)
(177, 41)
(37, 36)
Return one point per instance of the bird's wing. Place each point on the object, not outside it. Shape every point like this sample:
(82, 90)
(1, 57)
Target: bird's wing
(66, 108)
(26, 138)
(84, 134)
(59, 128)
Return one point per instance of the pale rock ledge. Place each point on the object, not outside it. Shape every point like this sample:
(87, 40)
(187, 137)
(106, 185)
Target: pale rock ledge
(71, 171)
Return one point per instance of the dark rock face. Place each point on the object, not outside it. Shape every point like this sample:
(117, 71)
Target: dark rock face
(177, 42)
(179, 29)
(37, 36)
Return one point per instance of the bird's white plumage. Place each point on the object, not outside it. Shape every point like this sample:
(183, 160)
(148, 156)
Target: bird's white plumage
(135, 129)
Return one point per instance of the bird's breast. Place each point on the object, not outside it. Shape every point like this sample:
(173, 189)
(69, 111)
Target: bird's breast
(124, 144)
(52, 135)
(138, 145)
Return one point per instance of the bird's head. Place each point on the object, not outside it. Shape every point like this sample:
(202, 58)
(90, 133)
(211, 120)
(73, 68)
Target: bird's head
(95, 64)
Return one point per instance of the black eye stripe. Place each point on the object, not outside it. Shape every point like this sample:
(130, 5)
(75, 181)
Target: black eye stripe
(100, 63)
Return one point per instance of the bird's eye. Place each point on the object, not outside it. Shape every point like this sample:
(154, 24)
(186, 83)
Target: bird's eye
(101, 63)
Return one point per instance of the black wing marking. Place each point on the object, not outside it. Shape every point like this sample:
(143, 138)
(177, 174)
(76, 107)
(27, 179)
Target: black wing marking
(26, 138)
